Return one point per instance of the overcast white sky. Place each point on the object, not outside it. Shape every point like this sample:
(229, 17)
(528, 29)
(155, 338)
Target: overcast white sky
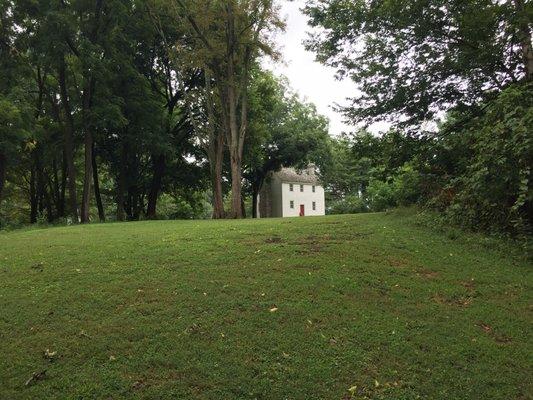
(312, 80)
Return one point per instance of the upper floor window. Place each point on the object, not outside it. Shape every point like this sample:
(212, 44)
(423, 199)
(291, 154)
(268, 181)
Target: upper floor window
(314, 189)
(291, 187)
(301, 188)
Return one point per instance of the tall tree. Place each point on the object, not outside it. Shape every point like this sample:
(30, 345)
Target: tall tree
(227, 36)
(283, 132)
(414, 58)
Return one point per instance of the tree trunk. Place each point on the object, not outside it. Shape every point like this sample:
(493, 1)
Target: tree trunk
(33, 196)
(68, 142)
(234, 148)
(87, 178)
(87, 98)
(39, 175)
(101, 213)
(53, 184)
(88, 144)
(255, 199)
(158, 163)
(48, 202)
(133, 207)
(216, 164)
(230, 97)
(215, 150)
(236, 186)
(63, 189)
(3, 163)
(121, 184)
(257, 185)
(58, 187)
(243, 207)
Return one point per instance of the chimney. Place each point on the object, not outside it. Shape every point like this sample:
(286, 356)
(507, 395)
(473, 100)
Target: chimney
(311, 169)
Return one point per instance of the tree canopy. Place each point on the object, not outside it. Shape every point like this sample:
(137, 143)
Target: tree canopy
(415, 58)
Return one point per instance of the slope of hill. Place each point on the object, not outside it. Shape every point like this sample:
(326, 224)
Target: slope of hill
(368, 306)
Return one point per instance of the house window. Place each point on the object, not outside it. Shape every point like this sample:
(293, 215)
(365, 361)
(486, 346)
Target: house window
(314, 205)
(291, 187)
(292, 203)
(301, 188)
(314, 189)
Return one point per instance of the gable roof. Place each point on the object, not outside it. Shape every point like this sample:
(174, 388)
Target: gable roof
(290, 175)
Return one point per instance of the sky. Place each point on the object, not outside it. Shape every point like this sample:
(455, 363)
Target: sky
(313, 81)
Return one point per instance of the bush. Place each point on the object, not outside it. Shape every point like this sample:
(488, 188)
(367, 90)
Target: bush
(351, 204)
(381, 195)
(495, 192)
(407, 186)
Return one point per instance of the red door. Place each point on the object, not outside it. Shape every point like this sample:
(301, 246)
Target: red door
(302, 210)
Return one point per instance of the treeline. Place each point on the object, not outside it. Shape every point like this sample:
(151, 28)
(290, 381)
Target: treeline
(454, 79)
(474, 170)
(108, 108)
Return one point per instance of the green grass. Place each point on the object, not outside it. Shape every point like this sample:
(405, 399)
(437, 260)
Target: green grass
(186, 310)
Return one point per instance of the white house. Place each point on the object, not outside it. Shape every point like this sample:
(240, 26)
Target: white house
(289, 193)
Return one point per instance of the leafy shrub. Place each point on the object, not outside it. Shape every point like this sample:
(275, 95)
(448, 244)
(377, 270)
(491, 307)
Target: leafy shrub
(407, 186)
(495, 192)
(351, 204)
(381, 195)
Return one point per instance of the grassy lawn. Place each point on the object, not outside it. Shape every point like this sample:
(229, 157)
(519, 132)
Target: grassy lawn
(367, 306)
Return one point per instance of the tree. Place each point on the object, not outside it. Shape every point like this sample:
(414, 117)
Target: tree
(226, 37)
(11, 135)
(415, 58)
(283, 132)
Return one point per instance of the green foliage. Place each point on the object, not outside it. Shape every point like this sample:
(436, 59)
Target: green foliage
(381, 195)
(476, 168)
(284, 131)
(408, 185)
(414, 58)
(496, 188)
(351, 204)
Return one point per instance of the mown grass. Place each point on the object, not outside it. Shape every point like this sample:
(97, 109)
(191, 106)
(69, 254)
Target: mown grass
(367, 306)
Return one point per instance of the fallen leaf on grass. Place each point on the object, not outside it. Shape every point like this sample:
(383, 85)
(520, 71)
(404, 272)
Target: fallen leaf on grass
(36, 376)
(485, 327)
(49, 355)
(273, 309)
(84, 334)
(38, 266)
(138, 385)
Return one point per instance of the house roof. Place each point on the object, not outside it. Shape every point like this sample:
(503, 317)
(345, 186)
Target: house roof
(293, 176)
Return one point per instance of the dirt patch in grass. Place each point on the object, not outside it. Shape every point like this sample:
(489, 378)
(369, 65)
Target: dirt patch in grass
(311, 249)
(312, 244)
(453, 301)
(274, 240)
(397, 262)
(428, 274)
(353, 236)
(498, 338)
(468, 285)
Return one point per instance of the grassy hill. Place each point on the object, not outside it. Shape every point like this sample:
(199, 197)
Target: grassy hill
(367, 306)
